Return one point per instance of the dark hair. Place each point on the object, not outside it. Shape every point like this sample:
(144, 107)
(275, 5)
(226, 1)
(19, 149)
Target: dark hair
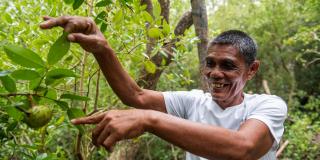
(242, 41)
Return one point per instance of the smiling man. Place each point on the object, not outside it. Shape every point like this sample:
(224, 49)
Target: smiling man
(225, 123)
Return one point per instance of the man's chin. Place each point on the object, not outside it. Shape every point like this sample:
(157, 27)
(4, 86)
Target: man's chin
(217, 96)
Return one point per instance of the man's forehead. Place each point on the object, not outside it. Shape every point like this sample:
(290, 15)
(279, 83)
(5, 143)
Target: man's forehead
(223, 48)
(226, 52)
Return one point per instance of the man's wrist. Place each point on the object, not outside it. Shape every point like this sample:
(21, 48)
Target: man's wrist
(151, 120)
(104, 49)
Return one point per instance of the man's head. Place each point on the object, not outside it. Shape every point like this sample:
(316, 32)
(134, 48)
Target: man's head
(240, 40)
(230, 63)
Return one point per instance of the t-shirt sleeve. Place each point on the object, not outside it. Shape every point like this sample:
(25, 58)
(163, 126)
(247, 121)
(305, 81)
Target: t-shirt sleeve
(273, 112)
(178, 103)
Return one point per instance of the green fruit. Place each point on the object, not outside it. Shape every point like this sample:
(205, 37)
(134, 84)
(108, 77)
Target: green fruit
(38, 116)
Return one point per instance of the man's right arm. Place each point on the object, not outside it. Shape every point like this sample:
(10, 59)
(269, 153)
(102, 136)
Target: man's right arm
(85, 32)
(125, 87)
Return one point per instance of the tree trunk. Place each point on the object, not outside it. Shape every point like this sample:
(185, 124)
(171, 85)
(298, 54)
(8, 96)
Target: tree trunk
(200, 22)
(128, 149)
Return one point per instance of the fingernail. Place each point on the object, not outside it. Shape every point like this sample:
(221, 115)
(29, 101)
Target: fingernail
(73, 121)
(71, 38)
(43, 24)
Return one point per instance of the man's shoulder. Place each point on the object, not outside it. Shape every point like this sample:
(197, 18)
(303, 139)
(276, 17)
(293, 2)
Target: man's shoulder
(263, 97)
(266, 101)
(193, 92)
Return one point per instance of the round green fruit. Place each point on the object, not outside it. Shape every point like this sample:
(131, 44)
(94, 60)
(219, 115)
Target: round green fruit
(38, 116)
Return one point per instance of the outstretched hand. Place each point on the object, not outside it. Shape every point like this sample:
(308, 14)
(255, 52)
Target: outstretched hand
(82, 30)
(115, 125)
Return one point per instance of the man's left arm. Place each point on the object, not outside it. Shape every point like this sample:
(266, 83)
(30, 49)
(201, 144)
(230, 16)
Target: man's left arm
(251, 141)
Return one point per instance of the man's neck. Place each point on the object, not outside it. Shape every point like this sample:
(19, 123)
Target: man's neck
(236, 101)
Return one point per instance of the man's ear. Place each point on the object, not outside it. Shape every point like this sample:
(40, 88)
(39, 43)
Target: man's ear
(254, 67)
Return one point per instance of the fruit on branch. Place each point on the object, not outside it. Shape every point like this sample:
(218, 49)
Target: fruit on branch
(38, 116)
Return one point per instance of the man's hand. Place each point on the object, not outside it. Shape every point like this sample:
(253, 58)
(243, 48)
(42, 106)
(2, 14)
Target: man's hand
(115, 125)
(82, 30)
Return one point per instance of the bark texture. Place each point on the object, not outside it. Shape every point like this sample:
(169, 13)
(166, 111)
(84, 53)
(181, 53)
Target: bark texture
(200, 22)
(128, 149)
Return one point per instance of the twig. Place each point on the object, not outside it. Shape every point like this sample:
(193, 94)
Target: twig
(97, 91)
(83, 67)
(88, 88)
(30, 100)
(132, 49)
(78, 146)
(17, 94)
(283, 146)
(314, 60)
(265, 86)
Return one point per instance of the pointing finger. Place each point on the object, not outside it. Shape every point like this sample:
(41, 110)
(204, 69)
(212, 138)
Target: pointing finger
(46, 18)
(53, 22)
(94, 119)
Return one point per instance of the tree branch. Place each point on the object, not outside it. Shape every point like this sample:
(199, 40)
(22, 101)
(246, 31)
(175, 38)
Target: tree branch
(149, 80)
(151, 41)
(184, 23)
(165, 6)
(17, 94)
(97, 92)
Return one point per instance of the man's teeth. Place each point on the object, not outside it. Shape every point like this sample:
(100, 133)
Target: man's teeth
(217, 85)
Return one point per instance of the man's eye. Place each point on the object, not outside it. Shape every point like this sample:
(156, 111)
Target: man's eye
(228, 66)
(209, 63)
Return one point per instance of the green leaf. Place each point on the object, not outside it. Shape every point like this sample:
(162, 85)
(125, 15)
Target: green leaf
(9, 83)
(150, 67)
(25, 74)
(100, 17)
(147, 17)
(51, 93)
(103, 3)
(74, 97)
(13, 125)
(33, 84)
(14, 113)
(75, 113)
(77, 4)
(63, 105)
(154, 32)
(7, 17)
(58, 74)
(4, 73)
(118, 16)
(156, 10)
(68, 1)
(103, 27)
(166, 27)
(59, 48)
(23, 56)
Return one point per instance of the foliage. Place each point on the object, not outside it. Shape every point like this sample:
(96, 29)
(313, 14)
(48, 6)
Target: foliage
(58, 80)
(286, 32)
(34, 66)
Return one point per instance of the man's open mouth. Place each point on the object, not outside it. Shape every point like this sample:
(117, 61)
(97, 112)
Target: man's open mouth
(217, 85)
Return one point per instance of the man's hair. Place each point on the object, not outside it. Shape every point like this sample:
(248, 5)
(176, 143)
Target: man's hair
(242, 41)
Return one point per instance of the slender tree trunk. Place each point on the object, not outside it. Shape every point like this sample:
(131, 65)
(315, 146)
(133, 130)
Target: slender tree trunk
(128, 149)
(200, 22)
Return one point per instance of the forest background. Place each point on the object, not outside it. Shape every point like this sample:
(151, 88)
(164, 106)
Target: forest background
(157, 43)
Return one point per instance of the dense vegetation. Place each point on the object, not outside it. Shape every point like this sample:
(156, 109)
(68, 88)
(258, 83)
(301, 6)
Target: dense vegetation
(287, 32)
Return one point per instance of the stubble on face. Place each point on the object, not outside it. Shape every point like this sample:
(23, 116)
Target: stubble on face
(226, 75)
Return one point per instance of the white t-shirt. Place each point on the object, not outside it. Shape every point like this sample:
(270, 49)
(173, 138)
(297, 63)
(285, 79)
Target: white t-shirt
(199, 107)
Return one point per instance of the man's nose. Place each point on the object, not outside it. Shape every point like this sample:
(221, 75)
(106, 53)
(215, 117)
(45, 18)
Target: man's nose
(215, 73)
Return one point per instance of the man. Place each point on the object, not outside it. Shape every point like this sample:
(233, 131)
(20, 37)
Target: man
(223, 124)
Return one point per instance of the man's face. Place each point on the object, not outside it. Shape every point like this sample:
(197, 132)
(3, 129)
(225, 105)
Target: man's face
(226, 73)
